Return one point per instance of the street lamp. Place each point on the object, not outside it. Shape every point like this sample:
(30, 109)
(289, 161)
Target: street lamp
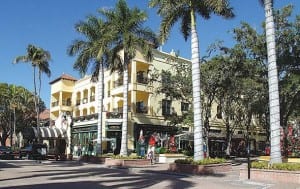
(14, 122)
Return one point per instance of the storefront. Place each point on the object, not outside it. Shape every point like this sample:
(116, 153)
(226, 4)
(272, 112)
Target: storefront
(82, 137)
(56, 139)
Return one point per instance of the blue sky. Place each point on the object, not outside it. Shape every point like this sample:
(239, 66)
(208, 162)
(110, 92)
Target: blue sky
(50, 24)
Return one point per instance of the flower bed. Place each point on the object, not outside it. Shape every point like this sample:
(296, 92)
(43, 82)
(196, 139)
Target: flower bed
(280, 172)
(200, 169)
(127, 162)
(271, 175)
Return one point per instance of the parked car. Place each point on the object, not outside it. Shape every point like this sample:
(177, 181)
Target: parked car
(34, 151)
(6, 152)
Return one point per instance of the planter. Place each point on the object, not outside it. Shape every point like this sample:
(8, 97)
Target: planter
(200, 169)
(168, 158)
(93, 159)
(271, 175)
(127, 162)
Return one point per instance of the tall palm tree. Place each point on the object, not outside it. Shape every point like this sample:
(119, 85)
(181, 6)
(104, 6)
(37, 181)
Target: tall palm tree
(39, 59)
(185, 11)
(273, 83)
(129, 36)
(93, 49)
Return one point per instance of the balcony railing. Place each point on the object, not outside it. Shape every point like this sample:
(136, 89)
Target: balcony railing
(66, 102)
(86, 118)
(114, 115)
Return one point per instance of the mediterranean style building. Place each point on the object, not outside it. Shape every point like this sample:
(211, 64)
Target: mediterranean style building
(77, 98)
(146, 110)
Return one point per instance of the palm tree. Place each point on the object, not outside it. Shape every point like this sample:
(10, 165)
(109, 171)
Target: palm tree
(273, 83)
(39, 59)
(94, 49)
(185, 11)
(129, 36)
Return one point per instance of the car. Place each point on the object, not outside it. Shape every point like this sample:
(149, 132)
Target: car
(34, 151)
(6, 152)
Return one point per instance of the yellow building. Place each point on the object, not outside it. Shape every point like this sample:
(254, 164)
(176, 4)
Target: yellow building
(78, 98)
(146, 111)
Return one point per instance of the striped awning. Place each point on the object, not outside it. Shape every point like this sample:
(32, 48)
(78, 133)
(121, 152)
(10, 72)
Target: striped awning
(50, 132)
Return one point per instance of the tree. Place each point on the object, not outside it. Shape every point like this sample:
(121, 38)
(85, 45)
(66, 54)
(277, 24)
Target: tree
(273, 83)
(185, 11)
(129, 36)
(23, 108)
(39, 59)
(94, 49)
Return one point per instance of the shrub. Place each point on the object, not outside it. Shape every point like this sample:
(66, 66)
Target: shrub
(205, 161)
(127, 157)
(276, 166)
(188, 152)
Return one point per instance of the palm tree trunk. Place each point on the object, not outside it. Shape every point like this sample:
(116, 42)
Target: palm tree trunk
(35, 104)
(198, 136)
(273, 84)
(100, 110)
(123, 151)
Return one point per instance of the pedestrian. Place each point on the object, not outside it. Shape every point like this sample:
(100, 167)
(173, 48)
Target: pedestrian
(90, 148)
(151, 147)
(79, 150)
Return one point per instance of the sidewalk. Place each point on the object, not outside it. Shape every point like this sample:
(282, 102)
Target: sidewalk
(231, 177)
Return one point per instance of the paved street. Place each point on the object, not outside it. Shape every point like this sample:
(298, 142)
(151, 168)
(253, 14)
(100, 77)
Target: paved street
(27, 174)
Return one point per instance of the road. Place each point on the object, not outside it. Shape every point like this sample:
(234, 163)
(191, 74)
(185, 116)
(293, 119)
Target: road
(28, 174)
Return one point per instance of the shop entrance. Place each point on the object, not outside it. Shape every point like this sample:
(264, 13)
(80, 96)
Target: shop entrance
(114, 145)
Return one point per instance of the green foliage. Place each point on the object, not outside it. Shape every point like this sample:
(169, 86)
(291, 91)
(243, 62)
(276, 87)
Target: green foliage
(127, 157)
(276, 166)
(205, 161)
(188, 152)
(18, 100)
(163, 150)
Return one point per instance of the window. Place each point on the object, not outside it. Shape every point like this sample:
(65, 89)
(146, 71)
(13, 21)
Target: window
(166, 107)
(165, 78)
(219, 112)
(184, 106)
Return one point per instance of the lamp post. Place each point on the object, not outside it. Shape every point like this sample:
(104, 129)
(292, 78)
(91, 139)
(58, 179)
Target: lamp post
(248, 151)
(14, 122)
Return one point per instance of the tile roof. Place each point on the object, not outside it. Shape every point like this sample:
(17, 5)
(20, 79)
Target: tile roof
(45, 114)
(64, 76)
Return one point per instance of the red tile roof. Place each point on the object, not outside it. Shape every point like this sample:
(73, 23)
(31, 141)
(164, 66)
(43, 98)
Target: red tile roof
(45, 114)
(64, 76)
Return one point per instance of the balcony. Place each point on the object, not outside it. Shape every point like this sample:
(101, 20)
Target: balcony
(142, 109)
(66, 102)
(142, 79)
(54, 104)
(114, 115)
(85, 118)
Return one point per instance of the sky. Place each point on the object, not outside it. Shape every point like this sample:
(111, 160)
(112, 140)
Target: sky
(49, 24)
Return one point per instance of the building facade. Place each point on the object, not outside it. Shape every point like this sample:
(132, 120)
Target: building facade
(146, 110)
